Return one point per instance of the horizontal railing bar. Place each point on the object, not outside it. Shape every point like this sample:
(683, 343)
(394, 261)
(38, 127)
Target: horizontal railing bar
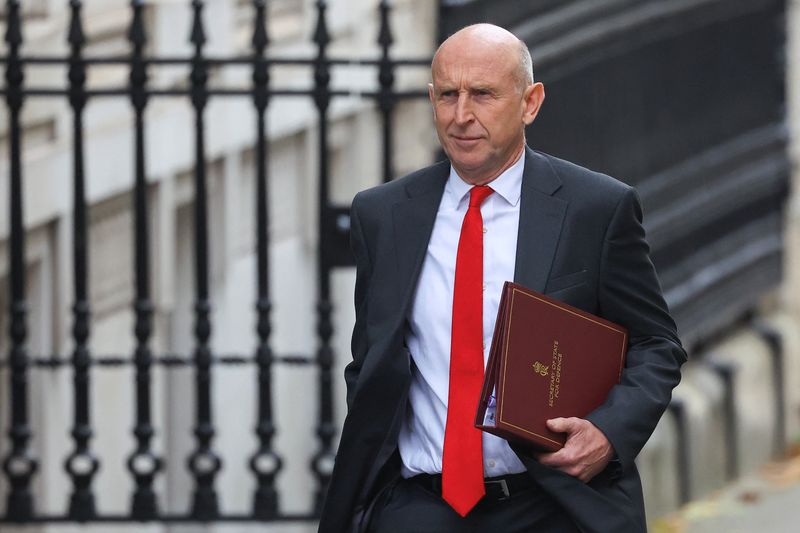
(165, 518)
(168, 360)
(49, 93)
(233, 60)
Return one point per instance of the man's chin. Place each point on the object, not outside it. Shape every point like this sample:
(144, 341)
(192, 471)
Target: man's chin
(468, 160)
(471, 170)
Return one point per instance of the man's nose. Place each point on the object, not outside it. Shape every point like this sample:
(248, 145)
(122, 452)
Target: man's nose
(463, 109)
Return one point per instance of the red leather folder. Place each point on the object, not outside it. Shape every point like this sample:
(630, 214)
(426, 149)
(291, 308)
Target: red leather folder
(547, 360)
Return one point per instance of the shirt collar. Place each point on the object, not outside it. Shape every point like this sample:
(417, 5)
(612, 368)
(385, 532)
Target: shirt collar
(508, 184)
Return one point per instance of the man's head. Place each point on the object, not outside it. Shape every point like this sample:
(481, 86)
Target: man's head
(483, 96)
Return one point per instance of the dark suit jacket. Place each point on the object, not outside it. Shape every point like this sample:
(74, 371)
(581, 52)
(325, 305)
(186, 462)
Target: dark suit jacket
(580, 241)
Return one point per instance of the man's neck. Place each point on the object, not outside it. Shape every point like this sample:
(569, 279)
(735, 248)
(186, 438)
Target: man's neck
(486, 180)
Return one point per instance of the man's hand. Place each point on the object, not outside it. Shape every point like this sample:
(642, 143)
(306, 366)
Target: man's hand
(586, 452)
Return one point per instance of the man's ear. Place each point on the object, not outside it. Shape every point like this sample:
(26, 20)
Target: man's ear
(532, 99)
(430, 96)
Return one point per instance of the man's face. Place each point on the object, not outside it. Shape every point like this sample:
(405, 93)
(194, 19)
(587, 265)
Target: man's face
(480, 108)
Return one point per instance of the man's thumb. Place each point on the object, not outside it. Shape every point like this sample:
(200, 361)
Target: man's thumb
(559, 425)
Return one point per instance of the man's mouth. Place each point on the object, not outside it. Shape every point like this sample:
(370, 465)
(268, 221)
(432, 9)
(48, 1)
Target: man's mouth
(465, 140)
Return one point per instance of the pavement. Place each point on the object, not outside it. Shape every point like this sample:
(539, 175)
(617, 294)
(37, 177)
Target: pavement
(767, 501)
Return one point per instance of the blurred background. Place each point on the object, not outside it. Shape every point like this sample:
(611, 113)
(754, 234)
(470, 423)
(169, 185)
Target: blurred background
(175, 278)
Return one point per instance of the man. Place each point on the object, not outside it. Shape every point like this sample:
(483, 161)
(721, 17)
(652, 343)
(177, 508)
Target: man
(432, 252)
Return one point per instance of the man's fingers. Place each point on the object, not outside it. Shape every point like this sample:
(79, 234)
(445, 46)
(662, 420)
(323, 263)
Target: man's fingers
(564, 456)
(568, 467)
(585, 453)
(560, 458)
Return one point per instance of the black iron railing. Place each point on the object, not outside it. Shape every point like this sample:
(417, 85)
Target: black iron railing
(204, 463)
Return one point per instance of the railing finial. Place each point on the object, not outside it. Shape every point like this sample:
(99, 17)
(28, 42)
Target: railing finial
(321, 35)
(198, 36)
(260, 36)
(76, 36)
(136, 33)
(13, 24)
(385, 37)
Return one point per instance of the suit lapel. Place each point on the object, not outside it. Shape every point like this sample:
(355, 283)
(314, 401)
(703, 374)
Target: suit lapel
(413, 224)
(540, 219)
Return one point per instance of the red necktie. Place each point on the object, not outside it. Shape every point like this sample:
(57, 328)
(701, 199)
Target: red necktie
(462, 459)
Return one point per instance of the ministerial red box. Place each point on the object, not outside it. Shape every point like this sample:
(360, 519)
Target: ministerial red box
(547, 360)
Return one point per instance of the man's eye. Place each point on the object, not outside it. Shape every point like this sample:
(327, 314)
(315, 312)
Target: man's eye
(449, 94)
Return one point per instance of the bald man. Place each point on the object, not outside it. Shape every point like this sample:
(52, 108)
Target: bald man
(433, 250)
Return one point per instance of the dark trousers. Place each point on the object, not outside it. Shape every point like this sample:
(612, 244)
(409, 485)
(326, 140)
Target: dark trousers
(408, 507)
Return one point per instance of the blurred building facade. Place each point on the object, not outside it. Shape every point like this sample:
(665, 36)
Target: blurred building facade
(683, 99)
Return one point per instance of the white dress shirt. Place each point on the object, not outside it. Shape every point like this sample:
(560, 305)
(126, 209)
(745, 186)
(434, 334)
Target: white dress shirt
(430, 319)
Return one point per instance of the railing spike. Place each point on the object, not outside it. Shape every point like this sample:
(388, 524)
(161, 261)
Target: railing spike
(260, 36)
(198, 35)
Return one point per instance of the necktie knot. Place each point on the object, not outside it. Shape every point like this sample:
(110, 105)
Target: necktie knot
(478, 194)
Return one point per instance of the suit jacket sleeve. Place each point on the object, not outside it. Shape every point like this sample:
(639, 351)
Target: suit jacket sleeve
(629, 294)
(359, 344)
